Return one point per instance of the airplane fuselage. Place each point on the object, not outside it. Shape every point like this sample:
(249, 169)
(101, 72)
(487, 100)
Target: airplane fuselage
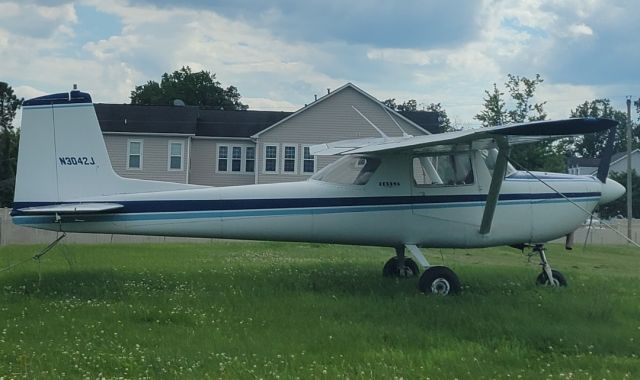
(390, 209)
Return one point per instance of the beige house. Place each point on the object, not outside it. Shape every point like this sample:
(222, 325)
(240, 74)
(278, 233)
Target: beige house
(226, 148)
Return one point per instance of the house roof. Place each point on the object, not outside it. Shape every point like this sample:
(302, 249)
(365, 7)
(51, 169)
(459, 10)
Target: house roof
(216, 123)
(146, 119)
(195, 121)
(428, 120)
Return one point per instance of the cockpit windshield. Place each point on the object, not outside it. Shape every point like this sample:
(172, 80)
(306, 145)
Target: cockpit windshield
(349, 170)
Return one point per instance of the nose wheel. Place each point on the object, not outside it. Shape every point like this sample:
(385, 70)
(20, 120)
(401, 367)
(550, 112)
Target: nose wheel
(548, 276)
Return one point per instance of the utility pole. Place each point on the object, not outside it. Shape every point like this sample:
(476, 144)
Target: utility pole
(629, 184)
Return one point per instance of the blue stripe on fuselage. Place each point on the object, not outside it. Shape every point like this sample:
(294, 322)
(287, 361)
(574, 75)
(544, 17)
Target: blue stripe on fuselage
(292, 203)
(199, 209)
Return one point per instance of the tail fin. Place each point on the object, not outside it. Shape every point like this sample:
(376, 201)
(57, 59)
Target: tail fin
(62, 155)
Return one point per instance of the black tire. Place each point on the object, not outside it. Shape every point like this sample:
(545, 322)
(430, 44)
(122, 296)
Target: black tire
(390, 269)
(543, 279)
(439, 280)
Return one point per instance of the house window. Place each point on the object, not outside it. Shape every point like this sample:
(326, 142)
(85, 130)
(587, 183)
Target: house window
(236, 159)
(271, 158)
(308, 160)
(175, 155)
(223, 155)
(289, 165)
(134, 154)
(250, 159)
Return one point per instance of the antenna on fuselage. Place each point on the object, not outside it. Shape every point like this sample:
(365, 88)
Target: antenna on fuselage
(371, 123)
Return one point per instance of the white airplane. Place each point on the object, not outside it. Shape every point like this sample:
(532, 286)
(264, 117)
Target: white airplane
(449, 190)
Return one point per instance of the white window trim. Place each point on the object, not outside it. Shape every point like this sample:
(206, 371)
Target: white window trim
(169, 168)
(264, 158)
(244, 159)
(295, 159)
(302, 159)
(129, 141)
(241, 159)
(217, 159)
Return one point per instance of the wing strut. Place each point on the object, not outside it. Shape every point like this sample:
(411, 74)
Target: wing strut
(499, 172)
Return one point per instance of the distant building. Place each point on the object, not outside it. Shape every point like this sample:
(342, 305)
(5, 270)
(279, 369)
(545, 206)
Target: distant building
(224, 148)
(580, 165)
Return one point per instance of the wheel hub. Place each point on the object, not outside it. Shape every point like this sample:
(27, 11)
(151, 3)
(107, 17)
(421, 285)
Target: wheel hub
(440, 286)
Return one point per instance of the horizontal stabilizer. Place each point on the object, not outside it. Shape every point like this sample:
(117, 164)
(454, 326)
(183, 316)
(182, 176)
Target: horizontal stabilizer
(72, 208)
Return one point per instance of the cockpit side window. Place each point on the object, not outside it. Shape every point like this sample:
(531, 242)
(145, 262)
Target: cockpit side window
(490, 156)
(349, 170)
(443, 169)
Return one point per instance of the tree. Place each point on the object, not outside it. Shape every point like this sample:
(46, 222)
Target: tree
(409, 105)
(521, 90)
(591, 145)
(619, 206)
(443, 118)
(195, 89)
(494, 112)
(412, 105)
(9, 105)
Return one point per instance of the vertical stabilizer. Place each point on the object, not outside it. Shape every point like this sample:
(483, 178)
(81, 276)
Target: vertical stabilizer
(63, 157)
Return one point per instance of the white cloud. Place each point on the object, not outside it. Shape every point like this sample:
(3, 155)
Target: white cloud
(580, 30)
(272, 68)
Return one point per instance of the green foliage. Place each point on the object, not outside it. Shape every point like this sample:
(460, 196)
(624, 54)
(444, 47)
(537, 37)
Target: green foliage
(521, 90)
(239, 310)
(494, 112)
(195, 89)
(9, 105)
(412, 105)
(592, 145)
(443, 118)
(619, 206)
(409, 105)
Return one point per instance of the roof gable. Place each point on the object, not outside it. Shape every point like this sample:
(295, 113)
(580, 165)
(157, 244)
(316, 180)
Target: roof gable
(332, 94)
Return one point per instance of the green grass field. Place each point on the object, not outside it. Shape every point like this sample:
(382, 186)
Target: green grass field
(271, 310)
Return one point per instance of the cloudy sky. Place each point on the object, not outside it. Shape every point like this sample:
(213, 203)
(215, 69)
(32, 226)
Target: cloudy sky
(280, 53)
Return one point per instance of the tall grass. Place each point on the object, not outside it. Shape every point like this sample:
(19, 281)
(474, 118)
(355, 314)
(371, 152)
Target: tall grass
(273, 310)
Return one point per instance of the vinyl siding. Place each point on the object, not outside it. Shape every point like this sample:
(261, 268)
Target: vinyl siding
(204, 158)
(332, 119)
(621, 166)
(155, 157)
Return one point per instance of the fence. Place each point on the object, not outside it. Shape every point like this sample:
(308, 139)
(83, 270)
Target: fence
(12, 234)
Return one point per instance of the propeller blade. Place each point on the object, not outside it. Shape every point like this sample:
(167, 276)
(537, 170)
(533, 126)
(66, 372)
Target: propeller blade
(607, 153)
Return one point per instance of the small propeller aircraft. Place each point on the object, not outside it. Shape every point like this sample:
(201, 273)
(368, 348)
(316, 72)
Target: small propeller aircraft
(449, 190)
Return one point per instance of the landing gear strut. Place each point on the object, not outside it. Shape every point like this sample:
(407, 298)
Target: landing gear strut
(548, 276)
(400, 266)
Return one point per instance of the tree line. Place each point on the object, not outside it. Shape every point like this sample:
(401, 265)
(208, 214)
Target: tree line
(511, 103)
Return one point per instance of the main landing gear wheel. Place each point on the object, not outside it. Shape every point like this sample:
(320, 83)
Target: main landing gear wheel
(557, 279)
(410, 268)
(439, 280)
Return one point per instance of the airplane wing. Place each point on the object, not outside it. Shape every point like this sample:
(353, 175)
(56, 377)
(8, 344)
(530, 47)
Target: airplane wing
(481, 138)
(502, 137)
(72, 208)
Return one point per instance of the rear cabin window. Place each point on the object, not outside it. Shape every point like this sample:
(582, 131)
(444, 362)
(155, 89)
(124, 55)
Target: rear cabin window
(443, 170)
(349, 170)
